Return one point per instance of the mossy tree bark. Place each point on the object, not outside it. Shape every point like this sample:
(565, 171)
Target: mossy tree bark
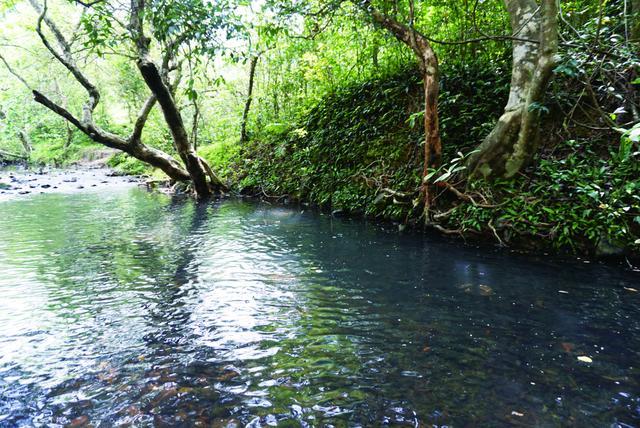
(513, 141)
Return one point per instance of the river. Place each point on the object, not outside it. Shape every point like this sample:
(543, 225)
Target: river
(120, 307)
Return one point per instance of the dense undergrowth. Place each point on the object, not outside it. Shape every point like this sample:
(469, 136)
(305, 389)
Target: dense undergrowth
(368, 137)
(359, 151)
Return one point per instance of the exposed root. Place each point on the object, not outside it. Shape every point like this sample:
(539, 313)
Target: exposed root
(468, 198)
(215, 181)
(276, 198)
(447, 231)
(445, 214)
(495, 233)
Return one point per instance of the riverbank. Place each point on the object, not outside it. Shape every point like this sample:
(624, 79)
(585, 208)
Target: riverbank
(358, 152)
(19, 182)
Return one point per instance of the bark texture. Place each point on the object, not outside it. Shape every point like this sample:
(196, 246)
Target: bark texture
(514, 140)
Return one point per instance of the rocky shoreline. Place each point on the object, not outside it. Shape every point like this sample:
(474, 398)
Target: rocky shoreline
(16, 182)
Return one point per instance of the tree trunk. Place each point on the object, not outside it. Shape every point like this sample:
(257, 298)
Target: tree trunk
(161, 160)
(513, 141)
(247, 104)
(26, 142)
(133, 146)
(429, 68)
(174, 121)
(433, 144)
(160, 89)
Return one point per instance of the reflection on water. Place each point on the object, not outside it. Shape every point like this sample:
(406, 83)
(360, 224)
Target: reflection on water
(122, 307)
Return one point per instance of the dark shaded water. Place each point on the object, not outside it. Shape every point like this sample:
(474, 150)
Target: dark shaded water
(122, 307)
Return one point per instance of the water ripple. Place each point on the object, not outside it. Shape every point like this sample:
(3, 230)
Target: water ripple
(127, 308)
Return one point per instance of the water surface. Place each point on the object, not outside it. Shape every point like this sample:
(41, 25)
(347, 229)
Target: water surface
(121, 307)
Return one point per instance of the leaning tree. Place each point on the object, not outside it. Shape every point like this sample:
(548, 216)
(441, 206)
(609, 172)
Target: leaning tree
(157, 36)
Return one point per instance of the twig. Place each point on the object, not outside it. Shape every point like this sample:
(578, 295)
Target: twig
(15, 74)
(495, 233)
(468, 198)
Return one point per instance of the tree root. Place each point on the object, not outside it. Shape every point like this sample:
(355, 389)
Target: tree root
(495, 233)
(469, 198)
(447, 231)
(215, 181)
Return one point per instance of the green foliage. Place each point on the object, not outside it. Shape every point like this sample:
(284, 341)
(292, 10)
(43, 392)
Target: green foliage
(573, 201)
(222, 157)
(333, 155)
(368, 137)
(127, 165)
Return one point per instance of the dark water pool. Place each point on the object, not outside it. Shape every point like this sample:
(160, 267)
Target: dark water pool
(124, 308)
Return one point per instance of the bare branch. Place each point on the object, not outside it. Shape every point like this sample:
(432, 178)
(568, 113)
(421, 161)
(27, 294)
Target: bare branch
(88, 4)
(66, 58)
(14, 73)
(142, 119)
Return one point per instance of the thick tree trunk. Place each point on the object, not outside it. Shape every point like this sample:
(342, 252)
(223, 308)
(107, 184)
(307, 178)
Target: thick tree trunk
(247, 104)
(513, 141)
(160, 160)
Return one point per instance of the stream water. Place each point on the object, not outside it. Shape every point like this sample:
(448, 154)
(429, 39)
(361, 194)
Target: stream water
(120, 307)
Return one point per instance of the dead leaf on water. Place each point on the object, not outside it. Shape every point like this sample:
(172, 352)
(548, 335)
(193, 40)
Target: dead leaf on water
(485, 290)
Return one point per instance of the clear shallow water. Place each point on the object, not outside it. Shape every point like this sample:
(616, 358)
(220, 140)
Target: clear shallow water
(120, 307)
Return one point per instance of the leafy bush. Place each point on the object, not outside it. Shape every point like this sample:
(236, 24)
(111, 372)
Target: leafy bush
(576, 201)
